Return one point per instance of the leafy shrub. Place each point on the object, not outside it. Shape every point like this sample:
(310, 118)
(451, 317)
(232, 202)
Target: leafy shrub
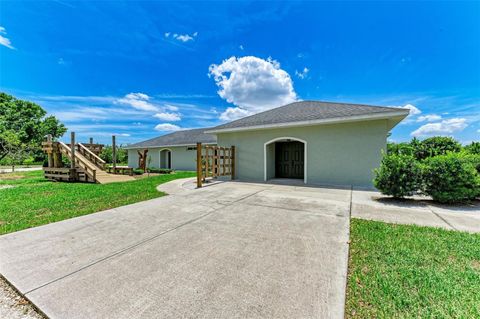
(434, 146)
(474, 159)
(29, 161)
(160, 170)
(398, 175)
(473, 148)
(400, 148)
(451, 178)
(138, 171)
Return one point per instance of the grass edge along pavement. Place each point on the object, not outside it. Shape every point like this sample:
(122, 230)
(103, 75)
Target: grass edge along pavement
(35, 201)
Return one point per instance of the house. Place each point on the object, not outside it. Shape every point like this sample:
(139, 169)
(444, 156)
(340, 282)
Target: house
(176, 150)
(318, 142)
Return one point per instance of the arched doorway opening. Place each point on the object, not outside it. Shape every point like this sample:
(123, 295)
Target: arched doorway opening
(166, 158)
(285, 157)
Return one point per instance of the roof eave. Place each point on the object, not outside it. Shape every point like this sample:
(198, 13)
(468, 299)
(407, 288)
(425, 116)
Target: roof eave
(163, 146)
(396, 117)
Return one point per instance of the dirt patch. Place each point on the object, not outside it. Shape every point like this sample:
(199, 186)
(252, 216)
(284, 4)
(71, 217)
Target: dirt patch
(14, 306)
(476, 264)
(8, 177)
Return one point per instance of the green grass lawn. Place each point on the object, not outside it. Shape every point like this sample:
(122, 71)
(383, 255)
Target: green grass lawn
(399, 271)
(35, 201)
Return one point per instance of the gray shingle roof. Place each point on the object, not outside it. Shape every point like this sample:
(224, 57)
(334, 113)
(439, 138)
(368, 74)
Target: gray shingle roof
(307, 111)
(187, 137)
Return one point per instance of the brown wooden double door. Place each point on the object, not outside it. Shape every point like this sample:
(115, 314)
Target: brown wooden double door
(289, 159)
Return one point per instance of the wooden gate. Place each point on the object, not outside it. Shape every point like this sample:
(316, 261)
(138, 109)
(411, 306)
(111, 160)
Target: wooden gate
(214, 161)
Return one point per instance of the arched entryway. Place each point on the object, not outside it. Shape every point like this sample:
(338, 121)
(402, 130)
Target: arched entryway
(285, 157)
(166, 158)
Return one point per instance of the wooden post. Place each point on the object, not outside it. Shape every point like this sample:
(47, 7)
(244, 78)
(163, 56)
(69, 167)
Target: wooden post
(57, 158)
(214, 161)
(199, 165)
(73, 174)
(72, 149)
(114, 155)
(232, 167)
(223, 161)
(206, 161)
(49, 154)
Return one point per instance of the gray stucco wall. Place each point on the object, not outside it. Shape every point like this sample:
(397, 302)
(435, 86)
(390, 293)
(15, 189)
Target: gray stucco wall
(337, 154)
(182, 159)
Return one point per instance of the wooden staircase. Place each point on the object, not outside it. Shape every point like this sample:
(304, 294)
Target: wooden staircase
(89, 167)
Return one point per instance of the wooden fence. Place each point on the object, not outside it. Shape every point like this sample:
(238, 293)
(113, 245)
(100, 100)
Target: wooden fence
(214, 161)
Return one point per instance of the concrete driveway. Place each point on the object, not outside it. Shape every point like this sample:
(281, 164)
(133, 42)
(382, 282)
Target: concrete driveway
(230, 250)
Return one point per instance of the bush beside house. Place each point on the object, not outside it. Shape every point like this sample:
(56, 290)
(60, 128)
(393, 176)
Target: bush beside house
(439, 167)
(398, 175)
(451, 178)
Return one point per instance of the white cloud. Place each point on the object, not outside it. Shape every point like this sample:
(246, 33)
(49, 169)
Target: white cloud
(184, 38)
(234, 113)
(138, 101)
(165, 116)
(167, 127)
(302, 74)
(4, 40)
(413, 112)
(429, 118)
(121, 134)
(171, 107)
(444, 127)
(252, 84)
(241, 47)
(413, 109)
(61, 61)
(181, 37)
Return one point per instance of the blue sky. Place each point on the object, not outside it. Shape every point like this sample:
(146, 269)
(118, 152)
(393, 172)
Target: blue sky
(143, 69)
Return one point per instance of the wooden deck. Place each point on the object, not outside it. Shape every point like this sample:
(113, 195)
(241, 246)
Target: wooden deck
(106, 178)
(85, 164)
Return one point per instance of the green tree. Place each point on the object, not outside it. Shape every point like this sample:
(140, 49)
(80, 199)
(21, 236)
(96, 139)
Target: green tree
(106, 154)
(473, 148)
(28, 122)
(434, 146)
(16, 151)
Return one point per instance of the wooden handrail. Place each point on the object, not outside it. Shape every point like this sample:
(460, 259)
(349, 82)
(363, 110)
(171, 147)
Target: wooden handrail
(91, 153)
(81, 160)
(100, 163)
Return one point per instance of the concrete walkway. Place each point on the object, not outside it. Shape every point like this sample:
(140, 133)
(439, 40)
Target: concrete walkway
(418, 211)
(20, 169)
(230, 250)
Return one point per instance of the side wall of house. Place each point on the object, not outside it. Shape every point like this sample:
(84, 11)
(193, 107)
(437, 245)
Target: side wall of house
(337, 154)
(182, 159)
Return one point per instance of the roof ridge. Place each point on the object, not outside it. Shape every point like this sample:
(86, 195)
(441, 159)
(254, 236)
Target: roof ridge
(354, 104)
(389, 108)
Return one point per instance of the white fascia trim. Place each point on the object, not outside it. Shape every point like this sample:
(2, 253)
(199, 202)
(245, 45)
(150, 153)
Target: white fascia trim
(305, 177)
(344, 119)
(164, 146)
